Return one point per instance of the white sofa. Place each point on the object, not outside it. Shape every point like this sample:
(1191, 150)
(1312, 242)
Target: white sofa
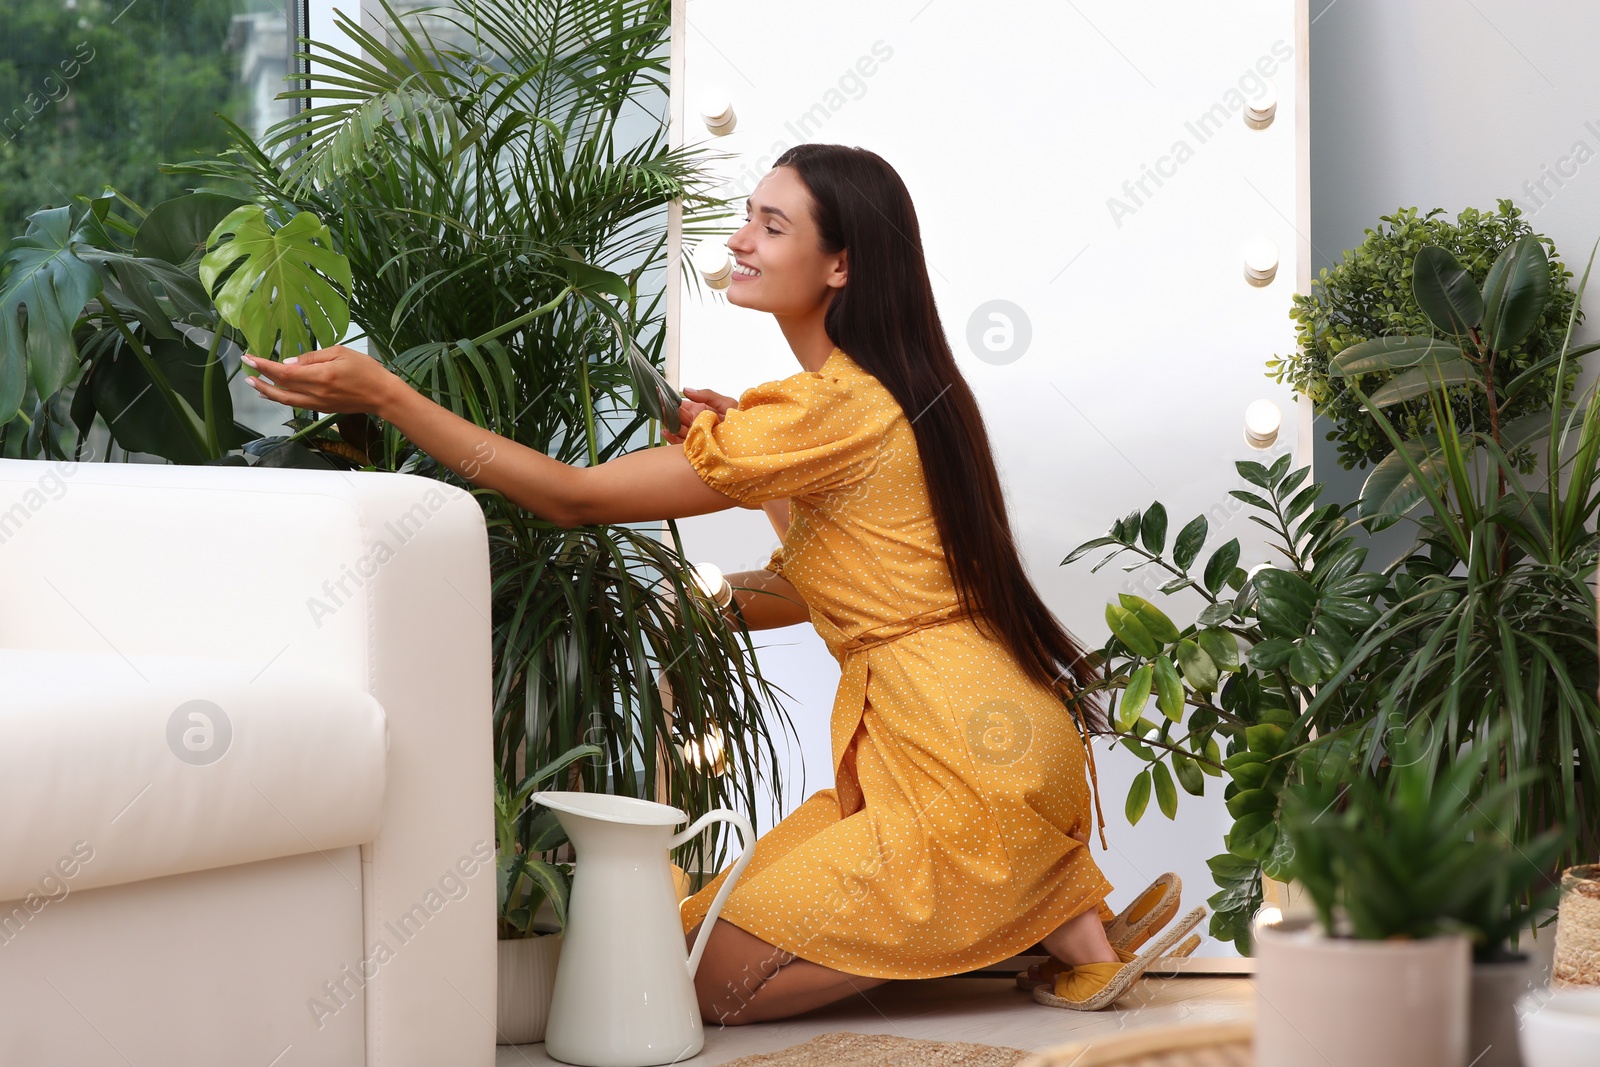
(245, 758)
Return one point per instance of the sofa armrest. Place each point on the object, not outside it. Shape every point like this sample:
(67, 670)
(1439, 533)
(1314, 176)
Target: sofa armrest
(380, 581)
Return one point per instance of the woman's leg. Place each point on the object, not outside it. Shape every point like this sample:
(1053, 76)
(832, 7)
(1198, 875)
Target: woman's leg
(1077, 940)
(1080, 940)
(742, 979)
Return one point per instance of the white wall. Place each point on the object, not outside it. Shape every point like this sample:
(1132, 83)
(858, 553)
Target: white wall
(1452, 104)
(1023, 133)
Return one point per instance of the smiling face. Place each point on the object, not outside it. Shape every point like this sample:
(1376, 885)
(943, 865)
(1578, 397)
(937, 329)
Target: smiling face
(779, 266)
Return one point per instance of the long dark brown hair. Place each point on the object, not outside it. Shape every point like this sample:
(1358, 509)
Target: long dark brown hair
(893, 332)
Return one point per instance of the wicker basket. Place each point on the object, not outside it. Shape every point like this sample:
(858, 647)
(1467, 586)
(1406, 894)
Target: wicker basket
(1577, 959)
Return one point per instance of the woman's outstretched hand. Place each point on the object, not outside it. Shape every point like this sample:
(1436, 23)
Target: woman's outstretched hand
(696, 401)
(336, 380)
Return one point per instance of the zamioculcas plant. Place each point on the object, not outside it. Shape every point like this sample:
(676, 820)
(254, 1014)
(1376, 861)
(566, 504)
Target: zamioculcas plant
(1230, 687)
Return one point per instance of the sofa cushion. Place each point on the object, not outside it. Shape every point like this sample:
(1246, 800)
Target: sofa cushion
(117, 769)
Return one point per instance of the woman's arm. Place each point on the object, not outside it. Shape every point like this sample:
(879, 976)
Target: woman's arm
(654, 483)
(767, 601)
(778, 514)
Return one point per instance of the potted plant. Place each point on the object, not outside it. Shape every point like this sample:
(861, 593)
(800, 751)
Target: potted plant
(1506, 906)
(1371, 293)
(529, 948)
(1490, 616)
(1396, 866)
(508, 246)
(1229, 688)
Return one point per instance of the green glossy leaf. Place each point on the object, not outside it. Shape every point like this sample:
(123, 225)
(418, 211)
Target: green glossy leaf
(653, 394)
(1392, 353)
(1087, 547)
(1215, 614)
(286, 294)
(1130, 631)
(1169, 689)
(45, 289)
(1153, 618)
(1135, 697)
(1190, 539)
(1328, 655)
(1365, 583)
(1220, 647)
(1138, 797)
(1189, 775)
(1245, 757)
(1391, 489)
(1445, 291)
(593, 281)
(1304, 665)
(1255, 500)
(1284, 602)
(1515, 293)
(1153, 528)
(1254, 473)
(1419, 380)
(1251, 775)
(1347, 610)
(179, 229)
(1198, 670)
(122, 391)
(1252, 800)
(1266, 738)
(1253, 836)
(1166, 792)
(1270, 654)
(1221, 565)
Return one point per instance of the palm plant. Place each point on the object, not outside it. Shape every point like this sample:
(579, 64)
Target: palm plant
(499, 239)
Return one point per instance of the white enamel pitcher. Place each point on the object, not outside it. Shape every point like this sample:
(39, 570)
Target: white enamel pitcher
(624, 993)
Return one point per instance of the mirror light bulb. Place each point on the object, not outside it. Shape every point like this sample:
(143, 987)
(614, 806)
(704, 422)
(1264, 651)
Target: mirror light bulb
(1260, 261)
(716, 111)
(1262, 420)
(708, 578)
(1258, 113)
(711, 259)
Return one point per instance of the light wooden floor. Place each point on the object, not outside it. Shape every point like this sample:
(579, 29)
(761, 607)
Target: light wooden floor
(990, 1011)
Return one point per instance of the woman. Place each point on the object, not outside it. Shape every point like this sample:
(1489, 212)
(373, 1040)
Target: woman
(956, 832)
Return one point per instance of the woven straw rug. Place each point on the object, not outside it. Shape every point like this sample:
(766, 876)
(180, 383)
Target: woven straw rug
(842, 1049)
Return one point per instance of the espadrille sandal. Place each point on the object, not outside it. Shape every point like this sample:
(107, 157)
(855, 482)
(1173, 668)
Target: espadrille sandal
(1120, 975)
(1027, 983)
(1149, 912)
(1130, 929)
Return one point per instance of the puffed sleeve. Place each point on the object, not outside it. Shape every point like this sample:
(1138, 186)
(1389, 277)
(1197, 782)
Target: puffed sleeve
(805, 435)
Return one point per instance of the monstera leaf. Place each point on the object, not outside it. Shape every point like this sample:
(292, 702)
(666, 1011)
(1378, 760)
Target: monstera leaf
(44, 290)
(286, 294)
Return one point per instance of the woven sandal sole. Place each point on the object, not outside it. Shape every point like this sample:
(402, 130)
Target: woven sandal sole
(1126, 932)
(1130, 972)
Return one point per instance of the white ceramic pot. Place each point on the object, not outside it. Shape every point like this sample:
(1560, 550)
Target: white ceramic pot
(527, 980)
(1560, 1028)
(1338, 1002)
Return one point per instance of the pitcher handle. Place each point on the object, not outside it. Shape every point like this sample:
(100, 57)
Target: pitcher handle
(747, 839)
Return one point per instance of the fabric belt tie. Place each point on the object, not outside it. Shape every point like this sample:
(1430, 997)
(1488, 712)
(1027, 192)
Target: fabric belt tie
(852, 699)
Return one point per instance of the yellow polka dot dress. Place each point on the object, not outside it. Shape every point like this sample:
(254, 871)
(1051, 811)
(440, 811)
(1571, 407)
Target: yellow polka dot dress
(955, 834)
